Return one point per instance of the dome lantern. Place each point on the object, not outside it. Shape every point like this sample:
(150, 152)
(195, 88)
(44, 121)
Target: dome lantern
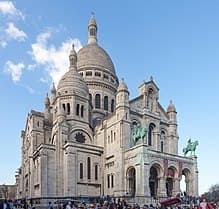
(92, 30)
(73, 59)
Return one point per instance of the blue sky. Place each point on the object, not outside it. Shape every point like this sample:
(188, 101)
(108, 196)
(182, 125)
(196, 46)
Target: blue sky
(177, 42)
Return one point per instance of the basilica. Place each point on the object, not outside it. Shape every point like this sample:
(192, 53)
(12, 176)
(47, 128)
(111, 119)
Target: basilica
(92, 140)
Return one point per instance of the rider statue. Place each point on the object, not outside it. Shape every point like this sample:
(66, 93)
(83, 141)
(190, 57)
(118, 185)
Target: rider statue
(139, 133)
(189, 143)
(191, 146)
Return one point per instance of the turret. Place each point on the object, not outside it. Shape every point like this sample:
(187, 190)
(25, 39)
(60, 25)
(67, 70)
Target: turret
(47, 112)
(53, 93)
(73, 59)
(172, 131)
(171, 111)
(61, 115)
(122, 100)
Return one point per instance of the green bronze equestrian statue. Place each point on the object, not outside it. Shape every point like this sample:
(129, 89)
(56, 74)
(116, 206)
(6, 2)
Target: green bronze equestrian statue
(139, 133)
(191, 146)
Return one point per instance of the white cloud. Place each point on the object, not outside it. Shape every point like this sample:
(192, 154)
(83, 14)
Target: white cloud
(15, 33)
(8, 8)
(54, 59)
(30, 89)
(14, 69)
(3, 43)
(43, 80)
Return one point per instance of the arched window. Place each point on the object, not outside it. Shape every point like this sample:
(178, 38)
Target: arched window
(77, 109)
(108, 180)
(106, 103)
(131, 180)
(97, 101)
(162, 140)
(63, 106)
(90, 99)
(149, 99)
(81, 170)
(82, 111)
(161, 146)
(111, 136)
(68, 109)
(112, 180)
(153, 181)
(150, 134)
(112, 105)
(88, 168)
(92, 32)
(96, 172)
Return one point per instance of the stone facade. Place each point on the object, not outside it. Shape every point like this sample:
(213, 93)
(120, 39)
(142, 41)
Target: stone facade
(8, 192)
(91, 140)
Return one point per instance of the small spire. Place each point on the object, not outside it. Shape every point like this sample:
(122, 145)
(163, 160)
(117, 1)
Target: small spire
(171, 107)
(92, 30)
(92, 14)
(151, 78)
(47, 101)
(73, 58)
(53, 88)
(122, 86)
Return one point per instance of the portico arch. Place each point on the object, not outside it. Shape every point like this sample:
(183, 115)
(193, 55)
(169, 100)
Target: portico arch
(170, 181)
(131, 181)
(155, 173)
(185, 184)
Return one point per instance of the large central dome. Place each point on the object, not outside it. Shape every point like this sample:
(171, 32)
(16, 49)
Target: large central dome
(96, 67)
(94, 56)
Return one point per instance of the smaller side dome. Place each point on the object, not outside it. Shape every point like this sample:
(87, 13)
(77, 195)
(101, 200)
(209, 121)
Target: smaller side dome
(171, 107)
(122, 86)
(72, 82)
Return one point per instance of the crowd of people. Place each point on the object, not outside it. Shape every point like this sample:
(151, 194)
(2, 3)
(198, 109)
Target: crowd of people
(122, 204)
(113, 204)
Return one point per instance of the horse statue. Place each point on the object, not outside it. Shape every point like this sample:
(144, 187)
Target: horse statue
(191, 146)
(139, 133)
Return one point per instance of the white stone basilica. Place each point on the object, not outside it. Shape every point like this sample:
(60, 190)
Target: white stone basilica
(91, 140)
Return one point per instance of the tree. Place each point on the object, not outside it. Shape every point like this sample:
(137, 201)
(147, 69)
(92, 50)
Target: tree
(213, 194)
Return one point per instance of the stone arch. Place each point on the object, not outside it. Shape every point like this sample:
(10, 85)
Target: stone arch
(131, 181)
(162, 141)
(151, 135)
(154, 175)
(170, 180)
(186, 177)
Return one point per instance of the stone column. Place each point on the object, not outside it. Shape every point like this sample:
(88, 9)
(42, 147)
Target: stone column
(176, 188)
(195, 179)
(145, 180)
(162, 187)
(138, 175)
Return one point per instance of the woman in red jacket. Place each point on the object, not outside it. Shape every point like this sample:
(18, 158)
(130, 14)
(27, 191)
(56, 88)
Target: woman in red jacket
(204, 204)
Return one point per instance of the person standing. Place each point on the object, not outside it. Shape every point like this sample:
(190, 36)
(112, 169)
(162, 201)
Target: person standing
(205, 204)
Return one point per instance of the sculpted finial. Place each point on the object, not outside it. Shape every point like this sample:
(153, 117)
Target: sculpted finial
(92, 14)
